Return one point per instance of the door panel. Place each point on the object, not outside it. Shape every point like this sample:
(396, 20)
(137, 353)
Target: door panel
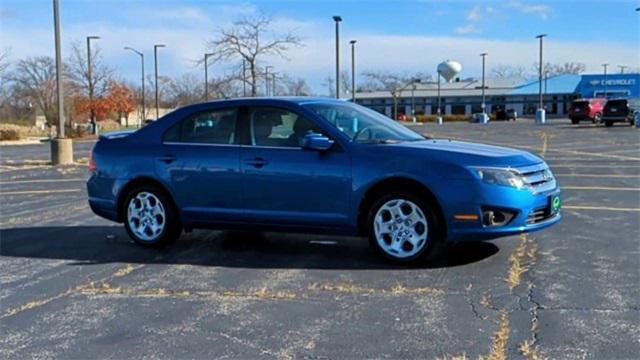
(287, 185)
(202, 160)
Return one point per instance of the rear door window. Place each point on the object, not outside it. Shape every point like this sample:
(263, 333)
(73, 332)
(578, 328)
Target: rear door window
(206, 127)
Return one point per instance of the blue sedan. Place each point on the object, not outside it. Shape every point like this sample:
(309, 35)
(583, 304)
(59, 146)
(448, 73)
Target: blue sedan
(315, 165)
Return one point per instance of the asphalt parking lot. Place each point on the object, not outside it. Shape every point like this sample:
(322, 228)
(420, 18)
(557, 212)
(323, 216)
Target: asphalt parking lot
(73, 286)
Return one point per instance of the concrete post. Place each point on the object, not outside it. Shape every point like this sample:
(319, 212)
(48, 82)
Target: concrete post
(61, 151)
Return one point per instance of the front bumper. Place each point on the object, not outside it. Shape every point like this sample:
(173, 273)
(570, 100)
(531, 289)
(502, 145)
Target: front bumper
(533, 212)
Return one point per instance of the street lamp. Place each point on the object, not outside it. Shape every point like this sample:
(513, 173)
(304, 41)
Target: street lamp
(540, 102)
(61, 148)
(206, 76)
(483, 104)
(155, 61)
(414, 81)
(353, 70)
(92, 117)
(438, 109)
(142, 79)
(266, 79)
(337, 20)
(605, 79)
(622, 67)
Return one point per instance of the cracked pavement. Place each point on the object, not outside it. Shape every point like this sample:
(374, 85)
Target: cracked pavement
(74, 286)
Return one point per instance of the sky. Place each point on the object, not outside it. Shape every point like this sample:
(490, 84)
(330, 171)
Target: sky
(396, 36)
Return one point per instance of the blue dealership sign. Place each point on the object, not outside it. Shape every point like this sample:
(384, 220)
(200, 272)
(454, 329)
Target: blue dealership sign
(617, 85)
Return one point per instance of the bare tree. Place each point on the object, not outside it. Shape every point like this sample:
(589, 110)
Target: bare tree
(186, 89)
(34, 78)
(329, 82)
(393, 83)
(78, 71)
(509, 71)
(248, 39)
(91, 82)
(295, 86)
(568, 68)
(4, 80)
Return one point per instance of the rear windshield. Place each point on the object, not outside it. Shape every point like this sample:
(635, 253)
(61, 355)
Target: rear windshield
(616, 103)
(580, 104)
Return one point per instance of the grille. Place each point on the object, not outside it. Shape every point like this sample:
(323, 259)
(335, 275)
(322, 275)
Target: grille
(538, 177)
(539, 215)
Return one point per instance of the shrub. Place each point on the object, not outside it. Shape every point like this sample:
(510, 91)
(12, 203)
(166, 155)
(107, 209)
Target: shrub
(445, 118)
(9, 134)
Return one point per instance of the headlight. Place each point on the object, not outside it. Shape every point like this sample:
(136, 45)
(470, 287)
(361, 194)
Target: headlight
(505, 177)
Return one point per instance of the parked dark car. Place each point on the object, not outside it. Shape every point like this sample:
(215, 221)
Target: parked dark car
(587, 109)
(315, 165)
(620, 110)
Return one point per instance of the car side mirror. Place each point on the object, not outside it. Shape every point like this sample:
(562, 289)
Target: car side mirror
(315, 141)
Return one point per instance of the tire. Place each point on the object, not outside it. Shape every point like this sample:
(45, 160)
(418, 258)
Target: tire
(150, 216)
(608, 123)
(597, 118)
(575, 121)
(411, 236)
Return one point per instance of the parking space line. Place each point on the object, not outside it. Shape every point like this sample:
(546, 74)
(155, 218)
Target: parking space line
(607, 188)
(36, 181)
(601, 176)
(595, 166)
(586, 207)
(34, 192)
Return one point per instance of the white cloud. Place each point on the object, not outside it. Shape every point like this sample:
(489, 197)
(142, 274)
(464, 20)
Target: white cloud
(467, 29)
(475, 13)
(543, 11)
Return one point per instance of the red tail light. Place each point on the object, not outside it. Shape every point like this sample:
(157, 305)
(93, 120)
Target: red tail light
(93, 166)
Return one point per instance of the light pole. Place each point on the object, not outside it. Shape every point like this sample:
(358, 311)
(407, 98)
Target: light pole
(206, 76)
(155, 61)
(540, 101)
(605, 79)
(622, 67)
(413, 98)
(142, 79)
(353, 70)
(266, 79)
(438, 110)
(483, 104)
(61, 148)
(337, 20)
(92, 117)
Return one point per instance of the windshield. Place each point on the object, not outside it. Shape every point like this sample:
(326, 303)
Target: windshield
(363, 125)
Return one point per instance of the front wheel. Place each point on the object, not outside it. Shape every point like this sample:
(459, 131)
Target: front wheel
(402, 227)
(150, 217)
(608, 123)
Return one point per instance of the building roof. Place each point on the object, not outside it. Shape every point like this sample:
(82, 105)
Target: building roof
(559, 84)
(466, 87)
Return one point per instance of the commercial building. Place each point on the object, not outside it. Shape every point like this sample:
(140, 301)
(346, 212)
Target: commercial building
(464, 97)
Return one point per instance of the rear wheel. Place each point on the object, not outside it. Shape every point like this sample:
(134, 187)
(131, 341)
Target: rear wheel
(608, 123)
(575, 121)
(402, 227)
(150, 216)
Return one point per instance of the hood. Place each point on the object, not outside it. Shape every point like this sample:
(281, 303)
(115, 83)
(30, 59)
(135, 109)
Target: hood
(471, 154)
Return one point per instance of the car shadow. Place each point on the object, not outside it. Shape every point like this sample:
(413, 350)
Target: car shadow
(84, 245)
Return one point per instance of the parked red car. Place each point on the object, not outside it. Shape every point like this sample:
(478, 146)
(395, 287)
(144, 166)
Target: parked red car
(587, 109)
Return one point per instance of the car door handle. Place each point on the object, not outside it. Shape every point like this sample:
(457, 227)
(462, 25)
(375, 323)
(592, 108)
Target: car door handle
(167, 159)
(257, 162)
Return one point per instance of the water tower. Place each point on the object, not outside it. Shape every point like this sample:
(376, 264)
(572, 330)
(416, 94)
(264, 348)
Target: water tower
(449, 69)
